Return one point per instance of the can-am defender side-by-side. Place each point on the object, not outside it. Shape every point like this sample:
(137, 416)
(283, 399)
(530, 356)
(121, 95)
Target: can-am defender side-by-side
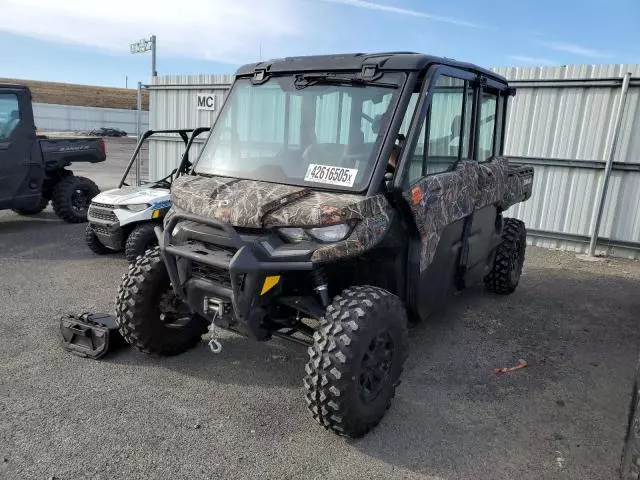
(123, 218)
(337, 198)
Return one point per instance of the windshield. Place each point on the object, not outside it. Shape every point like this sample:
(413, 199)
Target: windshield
(310, 131)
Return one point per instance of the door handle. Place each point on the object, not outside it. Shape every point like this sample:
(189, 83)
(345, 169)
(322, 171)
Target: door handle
(5, 145)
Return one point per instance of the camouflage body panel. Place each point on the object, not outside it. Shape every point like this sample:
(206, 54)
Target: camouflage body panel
(315, 209)
(439, 200)
(447, 197)
(249, 203)
(374, 215)
(519, 186)
(241, 203)
(492, 181)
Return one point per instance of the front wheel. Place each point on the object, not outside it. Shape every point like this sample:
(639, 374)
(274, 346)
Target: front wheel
(149, 315)
(509, 258)
(141, 238)
(71, 198)
(356, 360)
(94, 243)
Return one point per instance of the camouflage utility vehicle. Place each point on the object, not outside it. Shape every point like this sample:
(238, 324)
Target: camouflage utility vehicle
(336, 199)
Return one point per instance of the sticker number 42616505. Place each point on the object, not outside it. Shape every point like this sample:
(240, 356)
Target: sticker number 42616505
(331, 175)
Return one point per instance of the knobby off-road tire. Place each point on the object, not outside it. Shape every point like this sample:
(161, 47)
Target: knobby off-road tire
(71, 198)
(94, 243)
(630, 468)
(141, 238)
(509, 258)
(149, 315)
(37, 208)
(363, 331)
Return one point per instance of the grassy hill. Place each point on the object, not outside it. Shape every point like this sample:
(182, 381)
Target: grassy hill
(82, 95)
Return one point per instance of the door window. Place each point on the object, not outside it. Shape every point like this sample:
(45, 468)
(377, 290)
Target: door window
(487, 125)
(442, 140)
(9, 114)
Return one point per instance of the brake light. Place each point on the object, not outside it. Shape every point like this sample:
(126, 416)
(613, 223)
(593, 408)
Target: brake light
(102, 146)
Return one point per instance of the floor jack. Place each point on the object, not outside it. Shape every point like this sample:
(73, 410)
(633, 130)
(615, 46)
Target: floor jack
(90, 335)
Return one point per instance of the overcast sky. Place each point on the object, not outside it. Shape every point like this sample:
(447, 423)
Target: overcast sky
(82, 41)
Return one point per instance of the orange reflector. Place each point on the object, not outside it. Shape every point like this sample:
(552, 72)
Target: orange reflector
(269, 282)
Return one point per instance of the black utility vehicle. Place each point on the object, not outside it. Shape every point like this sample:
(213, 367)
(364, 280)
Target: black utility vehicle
(336, 199)
(33, 167)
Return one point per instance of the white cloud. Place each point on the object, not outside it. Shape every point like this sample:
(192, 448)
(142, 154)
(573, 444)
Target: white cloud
(532, 60)
(403, 11)
(575, 49)
(220, 30)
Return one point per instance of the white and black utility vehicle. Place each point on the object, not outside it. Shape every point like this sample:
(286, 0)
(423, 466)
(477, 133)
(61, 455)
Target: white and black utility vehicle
(123, 218)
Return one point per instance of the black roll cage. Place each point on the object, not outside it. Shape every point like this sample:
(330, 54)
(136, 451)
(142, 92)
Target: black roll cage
(184, 161)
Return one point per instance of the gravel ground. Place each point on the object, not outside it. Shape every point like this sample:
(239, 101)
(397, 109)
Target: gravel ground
(241, 414)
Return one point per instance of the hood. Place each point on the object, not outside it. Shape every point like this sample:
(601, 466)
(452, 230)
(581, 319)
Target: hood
(131, 195)
(254, 204)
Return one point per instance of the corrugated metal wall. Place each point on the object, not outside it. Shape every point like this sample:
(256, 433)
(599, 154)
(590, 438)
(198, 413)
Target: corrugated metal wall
(172, 104)
(565, 129)
(569, 128)
(70, 118)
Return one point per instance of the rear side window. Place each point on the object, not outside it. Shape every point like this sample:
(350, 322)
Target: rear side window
(487, 125)
(9, 114)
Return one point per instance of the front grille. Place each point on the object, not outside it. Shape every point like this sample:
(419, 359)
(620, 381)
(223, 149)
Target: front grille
(214, 274)
(103, 205)
(102, 214)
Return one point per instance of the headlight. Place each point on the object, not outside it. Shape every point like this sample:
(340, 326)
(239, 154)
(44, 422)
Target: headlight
(137, 207)
(332, 233)
(294, 235)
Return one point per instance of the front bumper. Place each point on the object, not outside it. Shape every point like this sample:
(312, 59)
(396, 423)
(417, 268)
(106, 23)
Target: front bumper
(105, 225)
(225, 265)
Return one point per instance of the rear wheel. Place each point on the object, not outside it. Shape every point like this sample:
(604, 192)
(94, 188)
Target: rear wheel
(509, 258)
(150, 316)
(71, 198)
(94, 244)
(356, 360)
(35, 209)
(141, 238)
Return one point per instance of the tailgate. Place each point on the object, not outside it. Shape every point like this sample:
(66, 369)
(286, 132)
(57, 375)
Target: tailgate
(519, 185)
(64, 151)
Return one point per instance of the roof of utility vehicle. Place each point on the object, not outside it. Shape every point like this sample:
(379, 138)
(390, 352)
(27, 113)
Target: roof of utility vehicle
(389, 61)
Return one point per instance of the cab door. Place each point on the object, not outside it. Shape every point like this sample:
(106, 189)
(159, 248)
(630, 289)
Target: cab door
(439, 185)
(485, 229)
(20, 181)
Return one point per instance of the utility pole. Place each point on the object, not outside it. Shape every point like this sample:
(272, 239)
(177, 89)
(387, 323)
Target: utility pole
(146, 45)
(153, 56)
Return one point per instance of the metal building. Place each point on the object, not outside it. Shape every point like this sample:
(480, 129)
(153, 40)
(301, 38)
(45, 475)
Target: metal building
(562, 120)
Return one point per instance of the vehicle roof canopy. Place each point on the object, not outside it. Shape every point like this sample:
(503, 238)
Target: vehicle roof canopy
(389, 61)
(13, 86)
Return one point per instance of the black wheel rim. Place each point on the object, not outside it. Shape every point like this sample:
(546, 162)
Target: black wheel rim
(516, 264)
(80, 200)
(172, 311)
(375, 367)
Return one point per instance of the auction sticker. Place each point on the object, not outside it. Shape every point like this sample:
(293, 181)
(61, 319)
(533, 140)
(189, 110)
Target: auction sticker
(331, 175)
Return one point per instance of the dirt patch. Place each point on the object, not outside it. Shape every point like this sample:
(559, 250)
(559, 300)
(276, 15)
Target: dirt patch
(81, 95)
